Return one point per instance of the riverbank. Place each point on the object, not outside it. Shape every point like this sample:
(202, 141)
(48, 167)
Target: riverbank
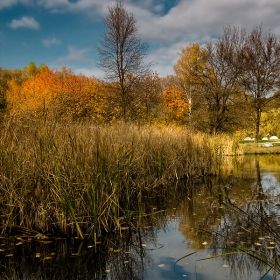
(264, 147)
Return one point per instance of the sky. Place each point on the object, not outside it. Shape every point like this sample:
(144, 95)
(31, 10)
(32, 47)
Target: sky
(65, 32)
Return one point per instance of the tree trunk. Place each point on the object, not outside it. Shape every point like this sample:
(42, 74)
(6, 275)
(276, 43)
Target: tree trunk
(257, 126)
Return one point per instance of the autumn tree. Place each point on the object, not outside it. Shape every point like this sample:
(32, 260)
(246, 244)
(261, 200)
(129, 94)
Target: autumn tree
(122, 53)
(6, 76)
(220, 84)
(145, 99)
(32, 98)
(259, 57)
(210, 82)
(46, 94)
(270, 123)
(79, 97)
(176, 109)
(192, 60)
(30, 70)
(150, 96)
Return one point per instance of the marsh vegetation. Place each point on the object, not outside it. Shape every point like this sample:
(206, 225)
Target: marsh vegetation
(79, 179)
(94, 169)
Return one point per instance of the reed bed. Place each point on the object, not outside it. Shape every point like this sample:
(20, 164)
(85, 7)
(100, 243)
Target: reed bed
(82, 179)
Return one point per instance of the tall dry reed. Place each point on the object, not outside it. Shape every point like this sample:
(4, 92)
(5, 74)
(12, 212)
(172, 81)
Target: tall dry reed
(80, 179)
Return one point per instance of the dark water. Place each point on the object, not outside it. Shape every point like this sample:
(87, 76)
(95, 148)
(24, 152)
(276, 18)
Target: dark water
(218, 222)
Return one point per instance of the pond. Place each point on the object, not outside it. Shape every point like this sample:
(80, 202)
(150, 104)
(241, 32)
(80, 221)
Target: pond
(223, 227)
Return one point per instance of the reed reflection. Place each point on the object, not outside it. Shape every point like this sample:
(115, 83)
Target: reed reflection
(234, 212)
(114, 258)
(122, 254)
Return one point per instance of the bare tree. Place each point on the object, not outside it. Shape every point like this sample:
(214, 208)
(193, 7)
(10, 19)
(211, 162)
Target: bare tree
(217, 74)
(260, 60)
(209, 76)
(219, 83)
(122, 53)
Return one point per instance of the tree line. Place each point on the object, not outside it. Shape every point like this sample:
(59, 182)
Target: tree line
(235, 75)
(41, 93)
(226, 85)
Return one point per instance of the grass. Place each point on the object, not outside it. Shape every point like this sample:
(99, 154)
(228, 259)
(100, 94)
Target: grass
(83, 179)
(250, 148)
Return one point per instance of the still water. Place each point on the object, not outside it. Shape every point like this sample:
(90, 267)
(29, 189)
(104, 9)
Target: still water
(224, 227)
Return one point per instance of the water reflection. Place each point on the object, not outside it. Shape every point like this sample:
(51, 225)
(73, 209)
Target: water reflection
(236, 211)
(116, 257)
(239, 214)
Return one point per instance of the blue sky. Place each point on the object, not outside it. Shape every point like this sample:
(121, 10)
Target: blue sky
(64, 32)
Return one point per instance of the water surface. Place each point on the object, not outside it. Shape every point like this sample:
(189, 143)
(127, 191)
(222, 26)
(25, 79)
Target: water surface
(185, 226)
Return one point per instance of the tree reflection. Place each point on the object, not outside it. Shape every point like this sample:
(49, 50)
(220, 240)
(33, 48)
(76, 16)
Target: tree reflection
(236, 214)
(229, 213)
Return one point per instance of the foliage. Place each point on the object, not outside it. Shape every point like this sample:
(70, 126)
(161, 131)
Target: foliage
(176, 108)
(62, 95)
(211, 85)
(211, 91)
(270, 123)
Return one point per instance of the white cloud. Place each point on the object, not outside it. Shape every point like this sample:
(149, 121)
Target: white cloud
(7, 3)
(50, 42)
(158, 8)
(87, 6)
(74, 55)
(27, 22)
(200, 18)
(10, 3)
(50, 4)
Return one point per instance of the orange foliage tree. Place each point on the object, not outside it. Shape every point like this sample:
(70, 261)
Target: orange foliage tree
(46, 94)
(59, 95)
(176, 108)
(80, 97)
(32, 97)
